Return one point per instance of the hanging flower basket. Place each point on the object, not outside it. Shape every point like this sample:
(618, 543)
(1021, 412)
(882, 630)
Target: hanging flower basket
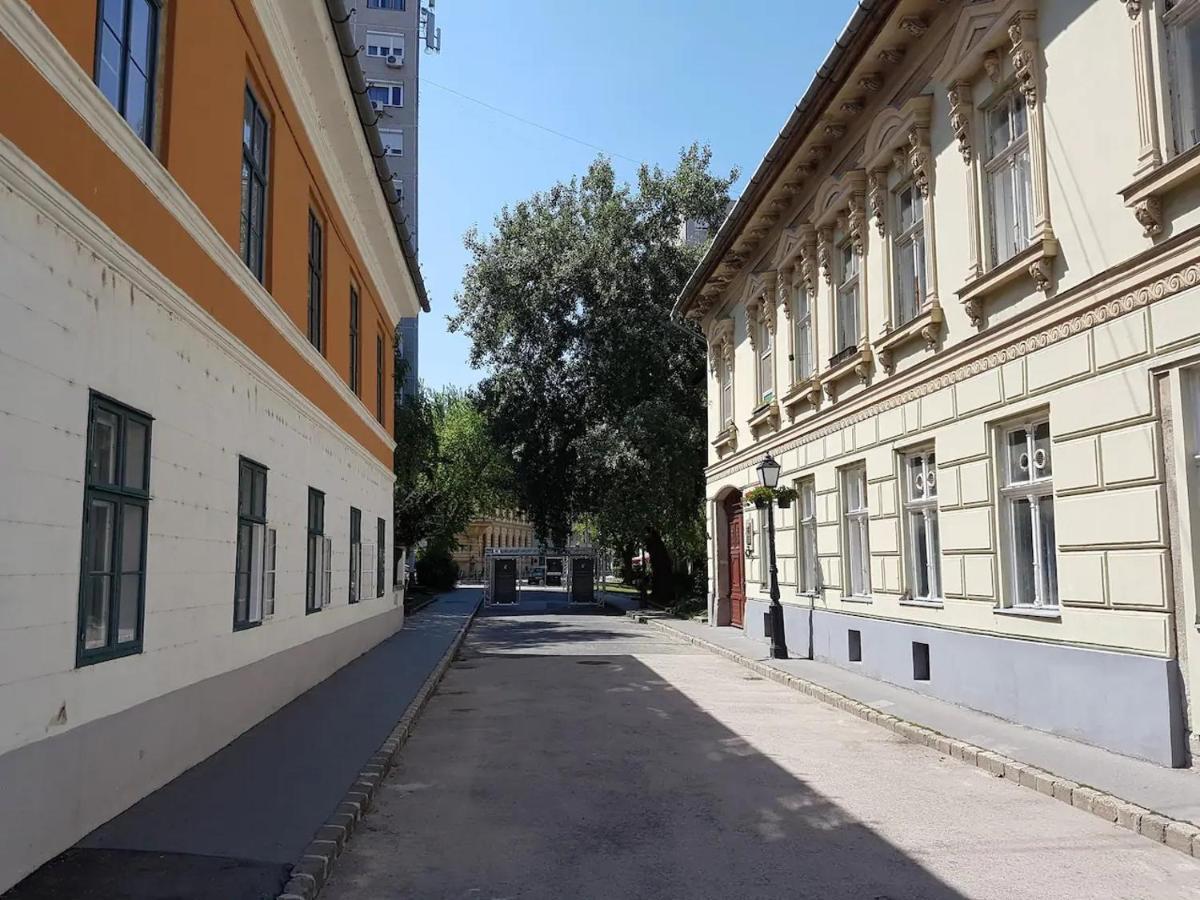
(784, 497)
(761, 497)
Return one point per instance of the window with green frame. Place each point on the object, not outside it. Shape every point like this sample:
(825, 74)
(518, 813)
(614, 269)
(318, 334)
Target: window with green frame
(380, 545)
(254, 577)
(112, 583)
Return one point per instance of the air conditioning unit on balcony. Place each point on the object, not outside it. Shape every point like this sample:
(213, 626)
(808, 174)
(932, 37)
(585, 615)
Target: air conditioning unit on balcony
(395, 151)
(395, 60)
(377, 106)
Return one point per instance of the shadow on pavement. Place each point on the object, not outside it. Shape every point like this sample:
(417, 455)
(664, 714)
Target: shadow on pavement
(588, 775)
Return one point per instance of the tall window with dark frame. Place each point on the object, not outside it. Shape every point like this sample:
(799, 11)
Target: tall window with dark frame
(255, 547)
(126, 59)
(255, 146)
(112, 585)
(355, 344)
(379, 367)
(380, 557)
(355, 555)
(318, 571)
(316, 256)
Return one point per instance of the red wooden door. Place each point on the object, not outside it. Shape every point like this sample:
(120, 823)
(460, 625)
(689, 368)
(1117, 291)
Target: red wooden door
(737, 561)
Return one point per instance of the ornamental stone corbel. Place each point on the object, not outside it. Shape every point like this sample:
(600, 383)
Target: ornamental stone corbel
(919, 160)
(808, 259)
(1041, 270)
(752, 323)
(1023, 59)
(991, 65)
(974, 308)
(1133, 7)
(960, 118)
(856, 223)
(1149, 214)
(877, 197)
(886, 359)
(783, 289)
(825, 254)
(862, 368)
(768, 306)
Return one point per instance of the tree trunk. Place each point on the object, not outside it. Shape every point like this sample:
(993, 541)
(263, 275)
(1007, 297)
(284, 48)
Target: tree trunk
(627, 563)
(663, 569)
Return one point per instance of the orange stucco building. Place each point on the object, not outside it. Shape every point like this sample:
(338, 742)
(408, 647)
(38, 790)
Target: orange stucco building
(202, 273)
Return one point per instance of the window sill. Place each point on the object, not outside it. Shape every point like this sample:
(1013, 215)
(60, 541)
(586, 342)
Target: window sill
(99, 656)
(926, 604)
(1144, 195)
(726, 439)
(1029, 612)
(1035, 262)
(927, 325)
(858, 364)
(764, 417)
(855, 598)
(245, 626)
(807, 391)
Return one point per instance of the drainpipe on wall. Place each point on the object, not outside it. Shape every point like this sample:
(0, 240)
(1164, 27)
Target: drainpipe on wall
(339, 17)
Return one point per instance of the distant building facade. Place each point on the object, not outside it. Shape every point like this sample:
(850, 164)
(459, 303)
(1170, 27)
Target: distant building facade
(959, 304)
(504, 529)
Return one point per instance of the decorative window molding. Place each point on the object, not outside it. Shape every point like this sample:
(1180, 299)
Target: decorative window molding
(920, 525)
(898, 158)
(1027, 513)
(721, 356)
(999, 40)
(761, 306)
(796, 263)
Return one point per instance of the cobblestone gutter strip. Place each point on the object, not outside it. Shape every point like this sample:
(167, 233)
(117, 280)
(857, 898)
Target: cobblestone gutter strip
(1179, 835)
(316, 863)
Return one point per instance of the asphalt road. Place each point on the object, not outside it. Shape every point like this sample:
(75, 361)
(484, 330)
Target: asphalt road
(585, 756)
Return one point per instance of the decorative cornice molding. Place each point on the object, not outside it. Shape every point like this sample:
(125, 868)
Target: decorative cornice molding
(48, 198)
(1125, 302)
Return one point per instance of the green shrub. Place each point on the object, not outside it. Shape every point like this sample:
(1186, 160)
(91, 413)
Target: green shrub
(436, 569)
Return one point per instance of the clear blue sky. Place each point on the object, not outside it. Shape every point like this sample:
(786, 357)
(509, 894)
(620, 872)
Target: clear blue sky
(640, 78)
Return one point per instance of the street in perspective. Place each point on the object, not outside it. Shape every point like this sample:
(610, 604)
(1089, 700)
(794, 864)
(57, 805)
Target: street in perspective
(671, 450)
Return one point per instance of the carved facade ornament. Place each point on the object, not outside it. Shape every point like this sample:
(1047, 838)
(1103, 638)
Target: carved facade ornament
(1133, 7)
(835, 130)
(1150, 216)
(808, 261)
(974, 308)
(853, 107)
(753, 321)
(720, 344)
(877, 197)
(818, 151)
(914, 25)
(919, 159)
(1041, 271)
(872, 82)
(991, 65)
(783, 290)
(893, 56)
(900, 160)
(804, 170)
(779, 204)
(856, 224)
(825, 254)
(1023, 61)
(960, 118)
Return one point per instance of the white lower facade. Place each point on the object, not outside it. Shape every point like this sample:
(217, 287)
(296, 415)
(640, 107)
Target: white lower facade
(1096, 633)
(80, 312)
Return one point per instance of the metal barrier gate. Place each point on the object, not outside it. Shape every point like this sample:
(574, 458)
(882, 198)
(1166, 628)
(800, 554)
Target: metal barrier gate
(576, 574)
(583, 579)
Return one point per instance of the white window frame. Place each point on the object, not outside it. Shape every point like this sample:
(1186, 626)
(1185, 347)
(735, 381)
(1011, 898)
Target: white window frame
(1036, 491)
(911, 241)
(392, 88)
(802, 323)
(766, 363)
(847, 297)
(387, 147)
(1184, 101)
(808, 570)
(392, 44)
(856, 521)
(1006, 159)
(920, 500)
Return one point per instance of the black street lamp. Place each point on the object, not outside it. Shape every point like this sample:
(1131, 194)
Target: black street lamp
(768, 477)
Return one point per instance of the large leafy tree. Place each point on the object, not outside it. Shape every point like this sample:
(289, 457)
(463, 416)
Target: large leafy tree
(596, 394)
(448, 470)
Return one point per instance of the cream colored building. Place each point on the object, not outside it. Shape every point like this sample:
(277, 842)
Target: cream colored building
(959, 302)
(505, 528)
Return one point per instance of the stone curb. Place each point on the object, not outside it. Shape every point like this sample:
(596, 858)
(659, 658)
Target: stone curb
(312, 870)
(1179, 835)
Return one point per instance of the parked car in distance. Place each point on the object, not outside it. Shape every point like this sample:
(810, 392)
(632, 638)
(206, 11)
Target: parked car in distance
(537, 575)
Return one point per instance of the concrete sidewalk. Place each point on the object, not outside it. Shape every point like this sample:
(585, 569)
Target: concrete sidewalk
(232, 826)
(1174, 793)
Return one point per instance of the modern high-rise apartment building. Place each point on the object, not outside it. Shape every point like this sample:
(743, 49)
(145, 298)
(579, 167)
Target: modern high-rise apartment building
(388, 32)
(201, 278)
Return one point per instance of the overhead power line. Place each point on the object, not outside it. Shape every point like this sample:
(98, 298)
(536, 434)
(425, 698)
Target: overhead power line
(530, 122)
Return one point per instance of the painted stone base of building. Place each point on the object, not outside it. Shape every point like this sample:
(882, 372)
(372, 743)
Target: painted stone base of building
(1118, 701)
